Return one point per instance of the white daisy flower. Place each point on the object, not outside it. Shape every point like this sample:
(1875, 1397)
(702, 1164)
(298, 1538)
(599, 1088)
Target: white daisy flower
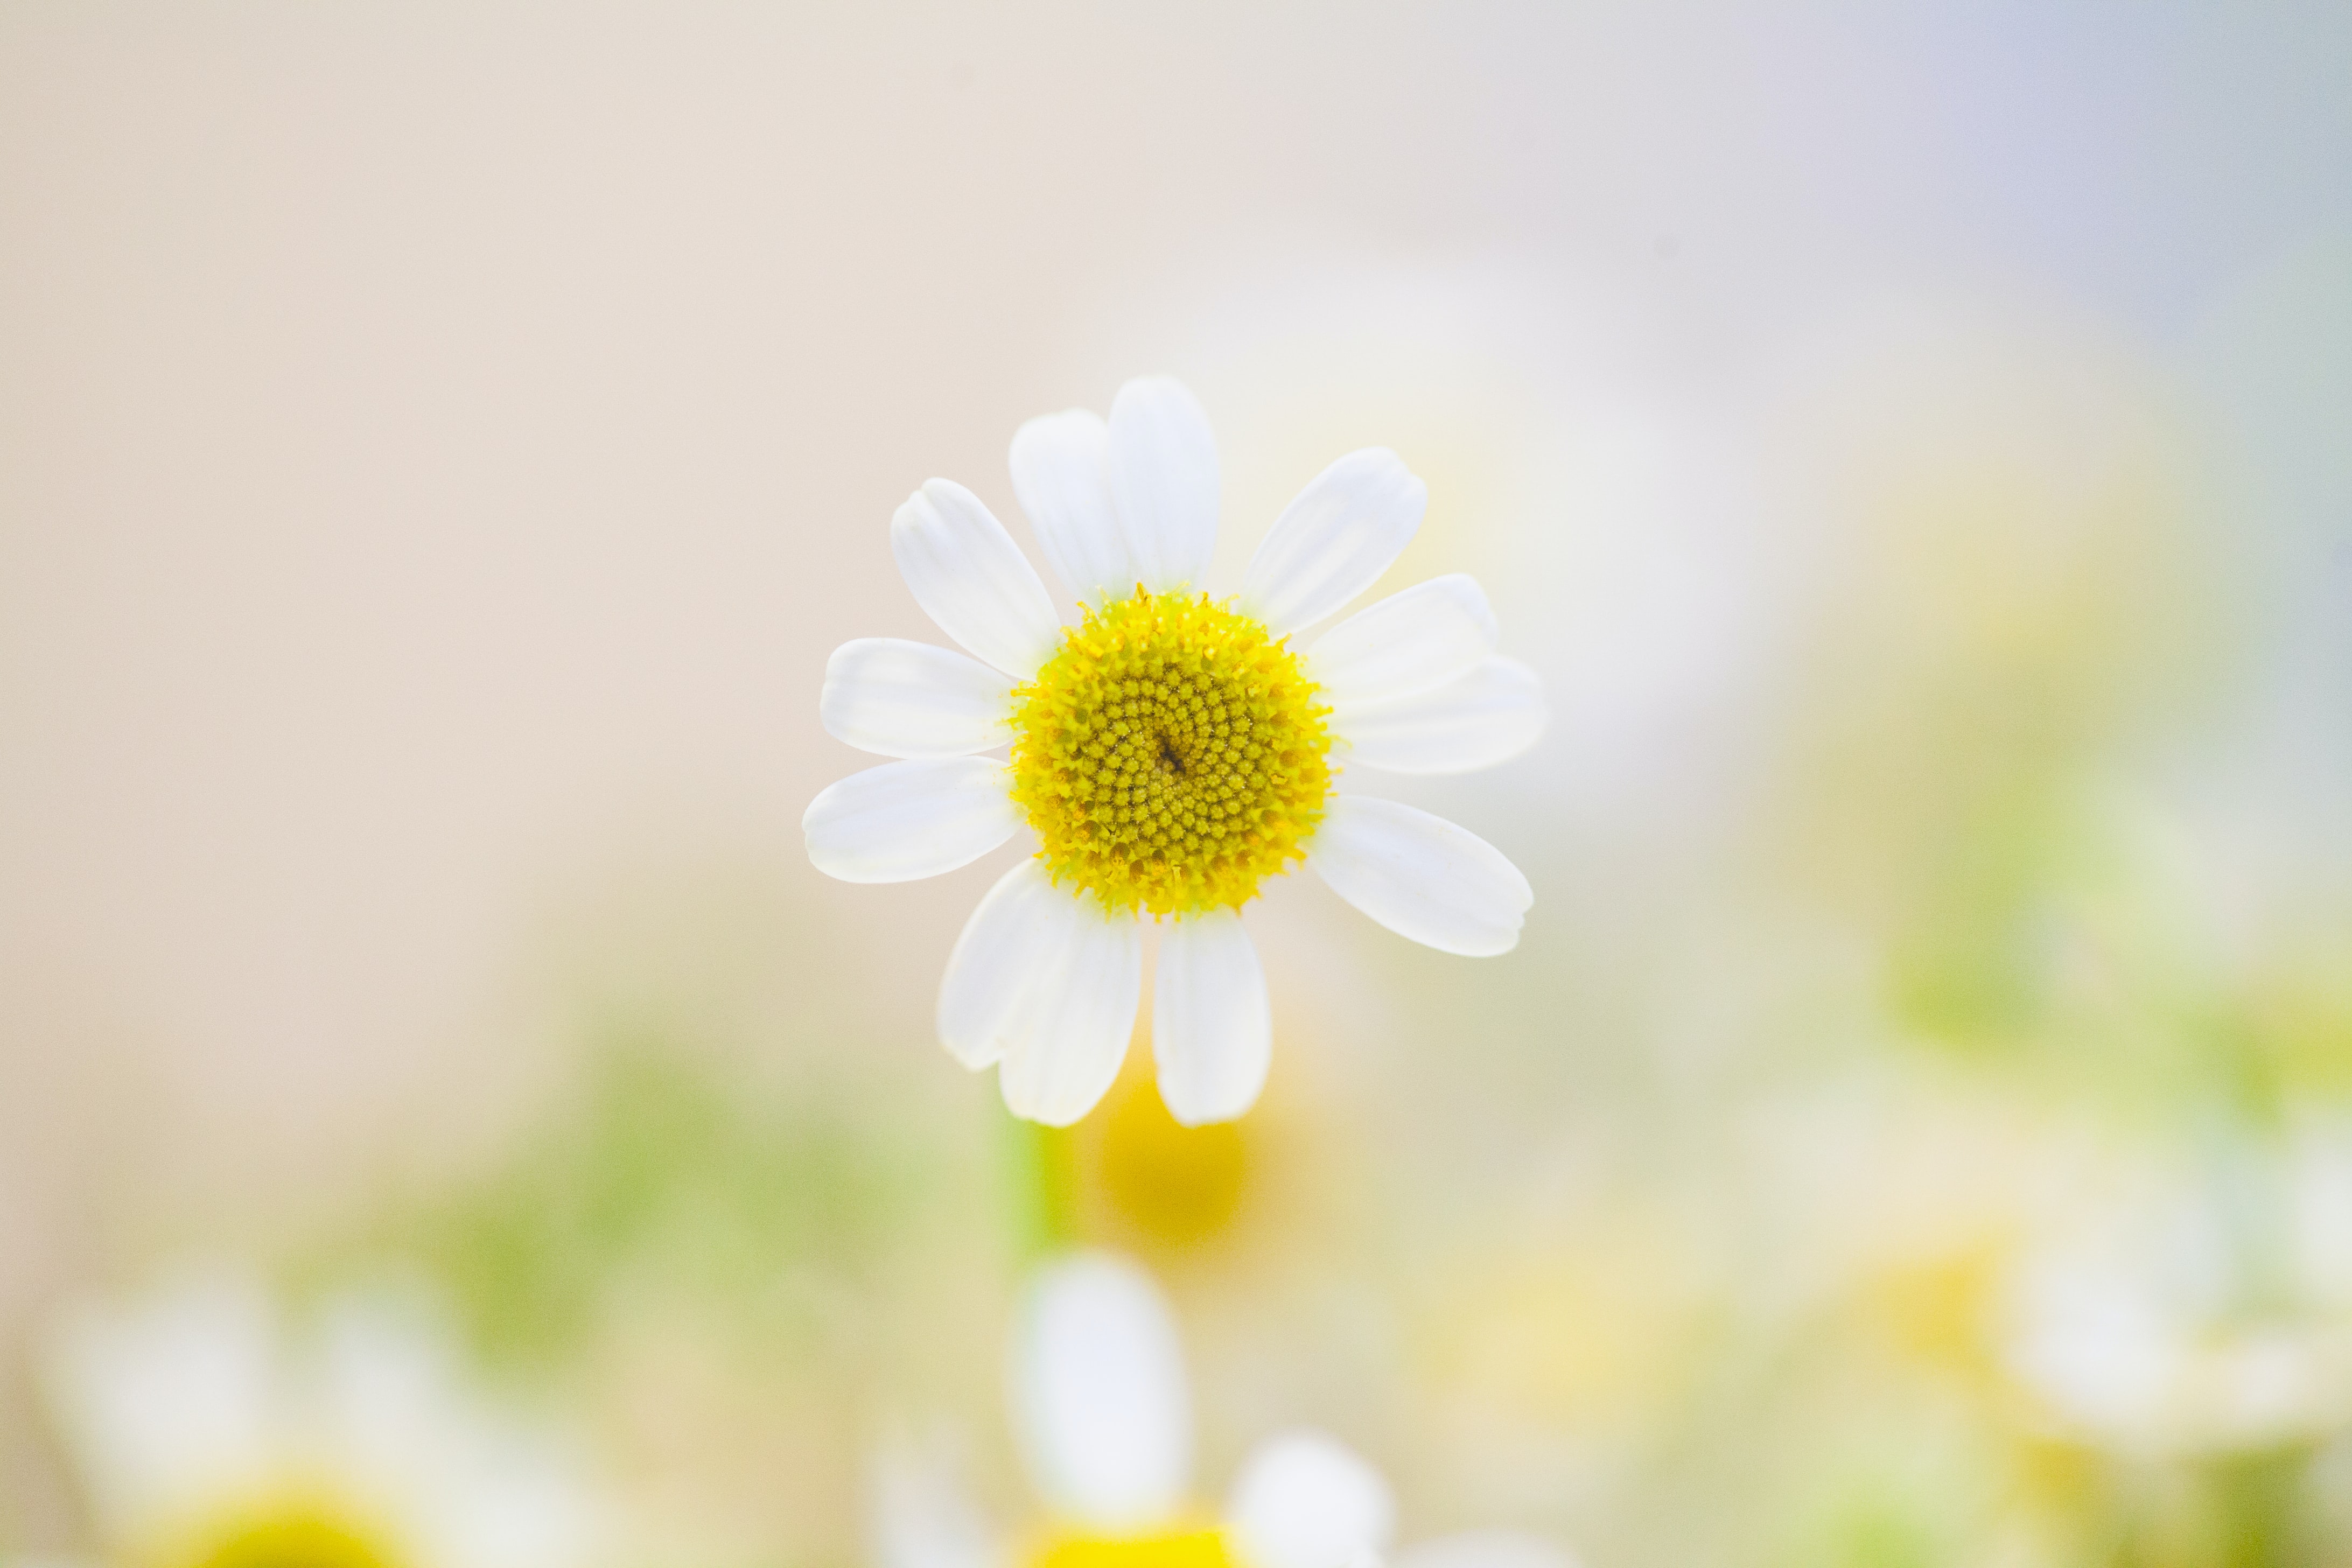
(1105, 1420)
(205, 1436)
(2197, 1320)
(1169, 752)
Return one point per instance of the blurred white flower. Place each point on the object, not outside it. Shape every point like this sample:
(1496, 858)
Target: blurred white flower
(1103, 1416)
(206, 1435)
(1170, 752)
(2202, 1320)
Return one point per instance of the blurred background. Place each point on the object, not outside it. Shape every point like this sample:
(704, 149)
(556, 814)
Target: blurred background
(439, 445)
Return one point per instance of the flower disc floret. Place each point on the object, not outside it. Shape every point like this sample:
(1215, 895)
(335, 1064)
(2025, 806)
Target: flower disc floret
(1171, 755)
(1172, 1549)
(298, 1538)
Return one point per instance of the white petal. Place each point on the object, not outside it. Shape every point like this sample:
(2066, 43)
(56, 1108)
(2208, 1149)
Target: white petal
(904, 698)
(1486, 1549)
(501, 1501)
(1061, 471)
(385, 1381)
(1335, 539)
(970, 577)
(1421, 875)
(391, 1405)
(1105, 1420)
(919, 1516)
(1065, 1036)
(1306, 1501)
(517, 1508)
(1012, 937)
(1211, 1032)
(170, 1403)
(905, 820)
(1490, 713)
(1163, 476)
(1418, 637)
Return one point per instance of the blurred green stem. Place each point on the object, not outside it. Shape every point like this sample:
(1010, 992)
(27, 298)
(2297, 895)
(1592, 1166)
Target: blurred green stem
(1041, 1187)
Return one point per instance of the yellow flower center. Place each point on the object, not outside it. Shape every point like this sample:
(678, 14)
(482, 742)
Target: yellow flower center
(293, 1537)
(1170, 755)
(1183, 1549)
(1179, 1186)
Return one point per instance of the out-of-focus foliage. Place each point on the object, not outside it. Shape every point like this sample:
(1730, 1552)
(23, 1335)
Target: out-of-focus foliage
(672, 1179)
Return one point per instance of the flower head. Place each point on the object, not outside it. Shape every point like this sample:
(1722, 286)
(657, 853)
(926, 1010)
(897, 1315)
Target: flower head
(1103, 1416)
(2202, 1314)
(1169, 752)
(208, 1438)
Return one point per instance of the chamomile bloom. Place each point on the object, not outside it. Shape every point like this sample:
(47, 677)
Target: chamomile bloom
(1104, 1418)
(2200, 1318)
(1169, 752)
(207, 1437)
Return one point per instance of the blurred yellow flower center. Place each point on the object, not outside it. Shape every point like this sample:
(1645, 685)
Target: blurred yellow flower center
(1180, 1186)
(1183, 1549)
(1170, 756)
(297, 1537)
(1940, 1310)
